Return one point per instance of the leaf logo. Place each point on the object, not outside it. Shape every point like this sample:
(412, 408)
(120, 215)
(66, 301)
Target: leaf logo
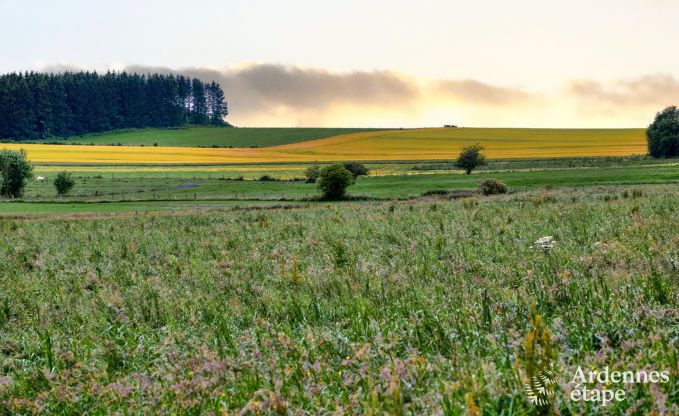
(539, 390)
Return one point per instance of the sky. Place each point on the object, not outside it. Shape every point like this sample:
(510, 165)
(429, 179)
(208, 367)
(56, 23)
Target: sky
(376, 63)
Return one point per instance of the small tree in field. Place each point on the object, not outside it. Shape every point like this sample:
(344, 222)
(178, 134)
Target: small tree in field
(14, 172)
(63, 183)
(663, 134)
(333, 181)
(470, 158)
(312, 172)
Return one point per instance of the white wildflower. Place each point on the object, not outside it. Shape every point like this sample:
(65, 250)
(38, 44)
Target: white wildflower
(600, 245)
(544, 243)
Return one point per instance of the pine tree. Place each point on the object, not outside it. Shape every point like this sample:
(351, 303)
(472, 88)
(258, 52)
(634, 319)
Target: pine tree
(39, 106)
(198, 103)
(217, 104)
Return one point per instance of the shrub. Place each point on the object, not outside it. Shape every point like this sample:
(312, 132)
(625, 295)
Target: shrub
(492, 187)
(312, 172)
(267, 178)
(470, 158)
(14, 172)
(63, 183)
(663, 134)
(357, 169)
(333, 181)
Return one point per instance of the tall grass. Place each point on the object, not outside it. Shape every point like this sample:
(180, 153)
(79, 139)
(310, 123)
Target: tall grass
(419, 307)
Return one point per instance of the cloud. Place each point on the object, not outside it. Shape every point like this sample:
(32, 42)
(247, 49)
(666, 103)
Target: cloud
(476, 92)
(647, 92)
(262, 88)
(280, 95)
(310, 96)
(60, 68)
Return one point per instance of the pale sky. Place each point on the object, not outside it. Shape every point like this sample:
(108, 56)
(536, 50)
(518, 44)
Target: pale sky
(377, 63)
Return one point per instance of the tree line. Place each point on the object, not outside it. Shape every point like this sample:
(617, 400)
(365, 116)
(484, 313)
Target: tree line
(42, 105)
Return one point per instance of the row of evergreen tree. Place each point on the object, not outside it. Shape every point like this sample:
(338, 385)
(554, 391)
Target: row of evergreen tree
(40, 105)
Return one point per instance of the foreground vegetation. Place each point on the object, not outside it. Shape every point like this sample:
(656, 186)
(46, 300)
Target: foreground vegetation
(417, 307)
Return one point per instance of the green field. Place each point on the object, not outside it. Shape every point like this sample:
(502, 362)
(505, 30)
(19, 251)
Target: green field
(189, 185)
(212, 136)
(418, 307)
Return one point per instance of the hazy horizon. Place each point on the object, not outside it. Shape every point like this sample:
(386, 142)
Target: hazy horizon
(377, 63)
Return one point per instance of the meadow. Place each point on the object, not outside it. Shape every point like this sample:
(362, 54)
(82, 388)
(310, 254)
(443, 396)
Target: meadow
(384, 145)
(399, 181)
(429, 306)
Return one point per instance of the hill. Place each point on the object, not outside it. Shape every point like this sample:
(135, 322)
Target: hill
(212, 136)
(385, 145)
(500, 143)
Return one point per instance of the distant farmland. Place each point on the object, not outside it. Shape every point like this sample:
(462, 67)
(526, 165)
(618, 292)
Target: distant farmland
(212, 136)
(385, 145)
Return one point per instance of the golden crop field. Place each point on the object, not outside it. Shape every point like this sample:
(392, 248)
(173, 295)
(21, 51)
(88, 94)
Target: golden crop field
(413, 144)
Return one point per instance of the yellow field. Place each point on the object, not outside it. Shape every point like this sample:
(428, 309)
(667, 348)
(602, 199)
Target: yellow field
(416, 144)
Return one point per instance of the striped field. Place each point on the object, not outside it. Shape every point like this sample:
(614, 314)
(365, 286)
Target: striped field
(387, 145)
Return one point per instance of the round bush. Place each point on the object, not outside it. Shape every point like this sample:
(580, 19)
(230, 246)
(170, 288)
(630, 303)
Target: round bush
(492, 187)
(15, 170)
(63, 183)
(334, 180)
(663, 134)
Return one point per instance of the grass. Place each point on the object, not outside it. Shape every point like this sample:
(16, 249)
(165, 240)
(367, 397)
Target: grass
(421, 307)
(247, 171)
(211, 136)
(388, 145)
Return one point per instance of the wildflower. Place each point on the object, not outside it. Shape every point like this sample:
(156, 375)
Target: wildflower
(600, 246)
(544, 243)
